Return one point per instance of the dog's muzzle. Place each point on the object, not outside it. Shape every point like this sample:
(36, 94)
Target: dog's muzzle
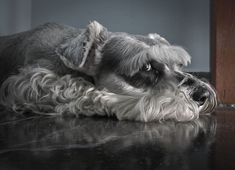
(199, 91)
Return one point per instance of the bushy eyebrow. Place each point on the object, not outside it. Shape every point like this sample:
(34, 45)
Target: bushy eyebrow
(169, 54)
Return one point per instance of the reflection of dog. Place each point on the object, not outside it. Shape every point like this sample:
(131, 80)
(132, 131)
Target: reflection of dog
(92, 71)
(67, 133)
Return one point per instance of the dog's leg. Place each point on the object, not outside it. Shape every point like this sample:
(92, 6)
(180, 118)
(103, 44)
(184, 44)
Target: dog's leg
(42, 91)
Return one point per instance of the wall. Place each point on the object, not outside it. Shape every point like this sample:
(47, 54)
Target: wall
(15, 16)
(182, 22)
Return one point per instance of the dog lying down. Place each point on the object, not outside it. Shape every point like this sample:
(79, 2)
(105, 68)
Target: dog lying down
(64, 70)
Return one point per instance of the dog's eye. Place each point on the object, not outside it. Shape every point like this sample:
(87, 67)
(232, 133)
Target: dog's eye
(147, 67)
(180, 65)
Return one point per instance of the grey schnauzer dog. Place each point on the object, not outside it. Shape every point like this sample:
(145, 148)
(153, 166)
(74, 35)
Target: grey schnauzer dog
(59, 70)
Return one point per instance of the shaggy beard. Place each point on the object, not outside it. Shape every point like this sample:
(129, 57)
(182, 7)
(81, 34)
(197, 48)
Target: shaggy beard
(162, 106)
(43, 92)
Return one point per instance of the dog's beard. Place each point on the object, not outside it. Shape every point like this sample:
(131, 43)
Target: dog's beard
(166, 103)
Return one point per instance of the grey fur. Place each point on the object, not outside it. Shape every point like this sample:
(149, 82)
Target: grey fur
(64, 70)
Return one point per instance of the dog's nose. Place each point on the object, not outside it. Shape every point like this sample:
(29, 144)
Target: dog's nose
(200, 95)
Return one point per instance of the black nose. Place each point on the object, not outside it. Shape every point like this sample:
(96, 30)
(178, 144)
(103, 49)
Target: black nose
(200, 95)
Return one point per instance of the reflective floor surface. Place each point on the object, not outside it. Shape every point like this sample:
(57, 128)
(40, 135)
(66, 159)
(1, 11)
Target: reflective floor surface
(101, 143)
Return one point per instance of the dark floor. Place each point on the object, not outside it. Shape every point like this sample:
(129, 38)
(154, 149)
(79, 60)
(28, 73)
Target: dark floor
(100, 143)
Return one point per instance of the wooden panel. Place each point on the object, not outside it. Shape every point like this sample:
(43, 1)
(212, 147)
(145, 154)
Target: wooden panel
(224, 142)
(223, 49)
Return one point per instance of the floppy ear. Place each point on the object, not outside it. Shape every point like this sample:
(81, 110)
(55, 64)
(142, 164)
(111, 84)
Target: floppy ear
(82, 52)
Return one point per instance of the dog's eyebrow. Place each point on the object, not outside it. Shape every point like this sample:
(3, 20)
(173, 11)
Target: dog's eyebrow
(169, 55)
(132, 64)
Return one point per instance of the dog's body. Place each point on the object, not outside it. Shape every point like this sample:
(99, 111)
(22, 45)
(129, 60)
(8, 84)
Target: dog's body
(64, 70)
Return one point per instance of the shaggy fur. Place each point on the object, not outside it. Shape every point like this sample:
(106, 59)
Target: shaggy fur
(93, 71)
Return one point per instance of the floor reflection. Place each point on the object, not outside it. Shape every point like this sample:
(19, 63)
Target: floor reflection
(101, 143)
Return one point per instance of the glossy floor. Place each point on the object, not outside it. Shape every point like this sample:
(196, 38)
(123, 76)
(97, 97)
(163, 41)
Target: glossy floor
(101, 143)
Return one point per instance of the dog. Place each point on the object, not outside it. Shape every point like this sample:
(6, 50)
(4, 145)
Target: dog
(60, 70)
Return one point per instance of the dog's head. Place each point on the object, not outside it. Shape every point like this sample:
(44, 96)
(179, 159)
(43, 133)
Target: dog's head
(137, 65)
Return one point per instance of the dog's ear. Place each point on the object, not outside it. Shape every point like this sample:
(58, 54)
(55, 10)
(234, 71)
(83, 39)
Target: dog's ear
(83, 51)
